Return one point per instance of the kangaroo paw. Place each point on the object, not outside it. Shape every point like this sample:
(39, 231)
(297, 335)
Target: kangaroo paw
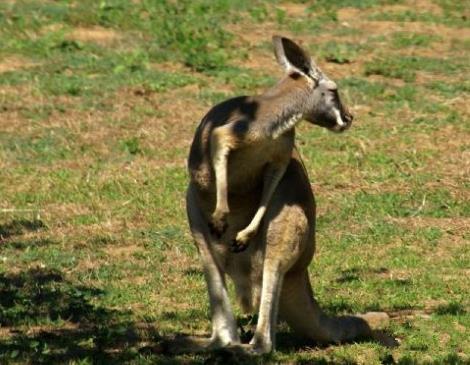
(218, 224)
(238, 246)
(240, 243)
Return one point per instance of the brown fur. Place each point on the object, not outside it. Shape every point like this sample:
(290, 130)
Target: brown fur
(270, 276)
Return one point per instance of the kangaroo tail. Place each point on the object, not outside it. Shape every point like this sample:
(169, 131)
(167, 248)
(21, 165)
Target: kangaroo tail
(303, 314)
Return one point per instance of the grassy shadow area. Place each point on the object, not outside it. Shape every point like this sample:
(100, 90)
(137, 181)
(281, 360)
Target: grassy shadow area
(52, 321)
(47, 319)
(19, 226)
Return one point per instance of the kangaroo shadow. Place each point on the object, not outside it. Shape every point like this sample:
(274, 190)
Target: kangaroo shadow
(19, 226)
(46, 319)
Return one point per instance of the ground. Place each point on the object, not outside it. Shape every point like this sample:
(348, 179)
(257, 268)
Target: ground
(98, 105)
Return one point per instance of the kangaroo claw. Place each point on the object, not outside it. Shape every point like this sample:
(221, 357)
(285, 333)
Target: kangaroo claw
(238, 246)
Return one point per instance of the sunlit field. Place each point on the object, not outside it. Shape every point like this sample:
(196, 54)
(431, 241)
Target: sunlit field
(98, 104)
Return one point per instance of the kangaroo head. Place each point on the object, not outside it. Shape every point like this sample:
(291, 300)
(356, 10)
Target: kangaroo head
(323, 105)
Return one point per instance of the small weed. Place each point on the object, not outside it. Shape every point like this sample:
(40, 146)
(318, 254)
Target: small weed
(431, 235)
(132, 146)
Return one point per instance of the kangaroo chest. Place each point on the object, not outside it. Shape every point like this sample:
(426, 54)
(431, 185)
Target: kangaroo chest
(246, 165)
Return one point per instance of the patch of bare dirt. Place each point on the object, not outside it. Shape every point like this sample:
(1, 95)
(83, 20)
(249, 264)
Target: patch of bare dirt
(251, 34)
(14, 63)
(170, 67)
(424, 5)
(293, 9)
(409, 314)
(348, 14)
(423, 78)
(103, 36)
(50, 28)
(378, 27)
(86, 264)
(263, 62)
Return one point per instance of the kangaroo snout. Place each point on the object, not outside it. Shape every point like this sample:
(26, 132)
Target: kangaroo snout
(343, 121)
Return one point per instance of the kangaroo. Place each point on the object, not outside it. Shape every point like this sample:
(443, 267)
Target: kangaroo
(251, 209)
(271, 130)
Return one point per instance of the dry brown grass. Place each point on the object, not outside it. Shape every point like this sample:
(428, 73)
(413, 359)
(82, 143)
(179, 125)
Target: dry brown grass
(99, 35)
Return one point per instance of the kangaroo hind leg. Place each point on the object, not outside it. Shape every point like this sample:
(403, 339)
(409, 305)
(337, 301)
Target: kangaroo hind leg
(284, 234)
(224, 328)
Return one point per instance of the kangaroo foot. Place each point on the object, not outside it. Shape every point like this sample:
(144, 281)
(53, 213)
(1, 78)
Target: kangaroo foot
(377, 322)
(259, 345)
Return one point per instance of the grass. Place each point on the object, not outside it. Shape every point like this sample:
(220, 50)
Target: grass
(98, 103)
(405, 68)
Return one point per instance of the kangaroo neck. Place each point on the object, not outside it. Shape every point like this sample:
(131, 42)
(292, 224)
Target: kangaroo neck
(286, 102)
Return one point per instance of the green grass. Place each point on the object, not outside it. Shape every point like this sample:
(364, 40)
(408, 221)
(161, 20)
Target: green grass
(340, 53)
(451, 17)
(96, 259)
(405, 39)
(405, 67)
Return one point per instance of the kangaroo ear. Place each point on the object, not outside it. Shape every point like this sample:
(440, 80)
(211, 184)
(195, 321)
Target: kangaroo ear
(291, 56)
